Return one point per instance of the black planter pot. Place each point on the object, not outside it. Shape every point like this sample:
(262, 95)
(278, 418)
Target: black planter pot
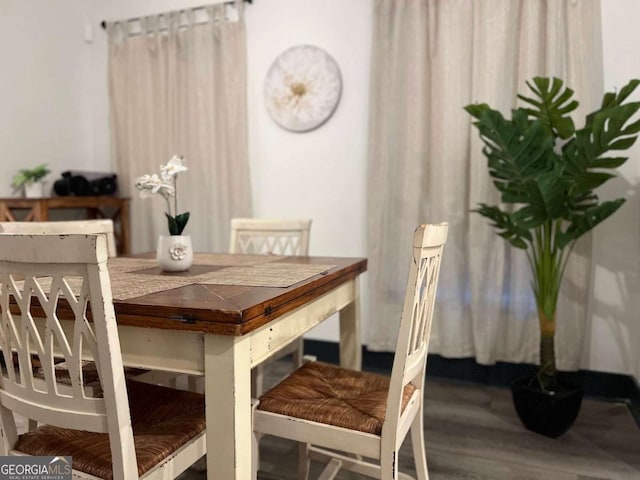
(547, 413)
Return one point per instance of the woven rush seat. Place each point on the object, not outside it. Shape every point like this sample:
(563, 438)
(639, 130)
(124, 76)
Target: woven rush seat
(328, 394)
(91, 380)
(163, 420)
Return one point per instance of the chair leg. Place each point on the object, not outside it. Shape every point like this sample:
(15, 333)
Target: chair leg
(389, 465)
(31, 424)
(298, 353)
(255, 444)
(193, 384)
(257, 381)
(417, 443)
(331, 470)
(200, 465)
(303, 461)
(255, 455)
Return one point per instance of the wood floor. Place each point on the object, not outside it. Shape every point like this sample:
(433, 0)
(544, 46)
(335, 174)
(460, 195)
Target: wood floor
(472, 432)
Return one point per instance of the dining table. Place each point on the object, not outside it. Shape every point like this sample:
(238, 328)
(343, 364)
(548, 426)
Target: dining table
(222, 317)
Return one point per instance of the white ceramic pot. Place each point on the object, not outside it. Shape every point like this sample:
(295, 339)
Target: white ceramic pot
(34, 190)
(174, 253)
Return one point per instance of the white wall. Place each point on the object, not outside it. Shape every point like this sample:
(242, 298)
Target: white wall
(319, 174)
(44, 113)
(615, 322)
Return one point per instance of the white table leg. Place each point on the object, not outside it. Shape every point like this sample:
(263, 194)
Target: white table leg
(350, 342)
(228, 399)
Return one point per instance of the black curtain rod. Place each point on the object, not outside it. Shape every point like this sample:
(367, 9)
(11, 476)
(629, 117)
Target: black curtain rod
(103, 23)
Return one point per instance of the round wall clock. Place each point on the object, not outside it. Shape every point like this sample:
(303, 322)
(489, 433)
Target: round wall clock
(302, 88)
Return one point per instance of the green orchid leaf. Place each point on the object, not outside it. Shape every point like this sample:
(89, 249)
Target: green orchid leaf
(178, 223)
(181, 222)
(173, 225)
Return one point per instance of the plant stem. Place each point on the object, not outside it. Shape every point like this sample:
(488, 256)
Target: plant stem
(166, 197)
(175, 195)
(547, 375)
(547, 267)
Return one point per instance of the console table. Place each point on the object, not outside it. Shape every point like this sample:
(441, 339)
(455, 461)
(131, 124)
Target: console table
(115, 208)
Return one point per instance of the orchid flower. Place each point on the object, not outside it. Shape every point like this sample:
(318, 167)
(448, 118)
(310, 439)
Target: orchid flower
(172, 168)
(166, 186)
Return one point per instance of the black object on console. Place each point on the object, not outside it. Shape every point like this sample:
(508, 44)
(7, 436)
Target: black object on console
(86, 184)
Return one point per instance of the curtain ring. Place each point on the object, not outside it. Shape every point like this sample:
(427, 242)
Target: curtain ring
(239, 4)
(144, 26)
(210, 13)
(115, 34)
(190, 15)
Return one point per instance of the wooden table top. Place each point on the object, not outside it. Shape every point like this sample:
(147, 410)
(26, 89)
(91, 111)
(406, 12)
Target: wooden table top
(231, 309)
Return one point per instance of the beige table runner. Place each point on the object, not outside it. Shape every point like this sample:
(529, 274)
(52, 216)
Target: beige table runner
(135, 277)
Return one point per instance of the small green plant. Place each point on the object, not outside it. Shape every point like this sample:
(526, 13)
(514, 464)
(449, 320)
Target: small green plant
(27, 176)
(547, 171)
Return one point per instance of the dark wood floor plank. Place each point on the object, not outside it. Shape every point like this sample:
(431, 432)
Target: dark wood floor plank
(473, 433)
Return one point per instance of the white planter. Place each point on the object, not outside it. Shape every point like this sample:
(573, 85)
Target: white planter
(174, 253)
(34, 190)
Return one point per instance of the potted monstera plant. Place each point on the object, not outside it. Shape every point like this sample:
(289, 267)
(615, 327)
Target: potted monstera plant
(547, 172)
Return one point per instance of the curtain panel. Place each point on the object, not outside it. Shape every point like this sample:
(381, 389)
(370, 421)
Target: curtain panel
(178, 86)
(430, 59)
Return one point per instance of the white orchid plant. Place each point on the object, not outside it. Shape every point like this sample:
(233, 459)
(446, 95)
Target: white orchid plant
(166, 186)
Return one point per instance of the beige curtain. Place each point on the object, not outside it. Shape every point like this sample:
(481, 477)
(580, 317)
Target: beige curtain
(430, 59)
(178, 86)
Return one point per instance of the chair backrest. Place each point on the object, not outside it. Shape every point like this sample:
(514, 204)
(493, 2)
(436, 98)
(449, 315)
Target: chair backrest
(415, 324)
(54, 277)
(102, 226)
(266, 236)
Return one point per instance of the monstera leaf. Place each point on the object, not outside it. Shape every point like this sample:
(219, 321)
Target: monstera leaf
(552, 106)
(547, 172)
(545, 167)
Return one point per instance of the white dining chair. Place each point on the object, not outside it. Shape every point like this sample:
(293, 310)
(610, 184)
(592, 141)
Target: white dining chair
(101, 227)
(332, 409)
(271, 237)
(66, 227)
(132, 430)
(265, 236)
